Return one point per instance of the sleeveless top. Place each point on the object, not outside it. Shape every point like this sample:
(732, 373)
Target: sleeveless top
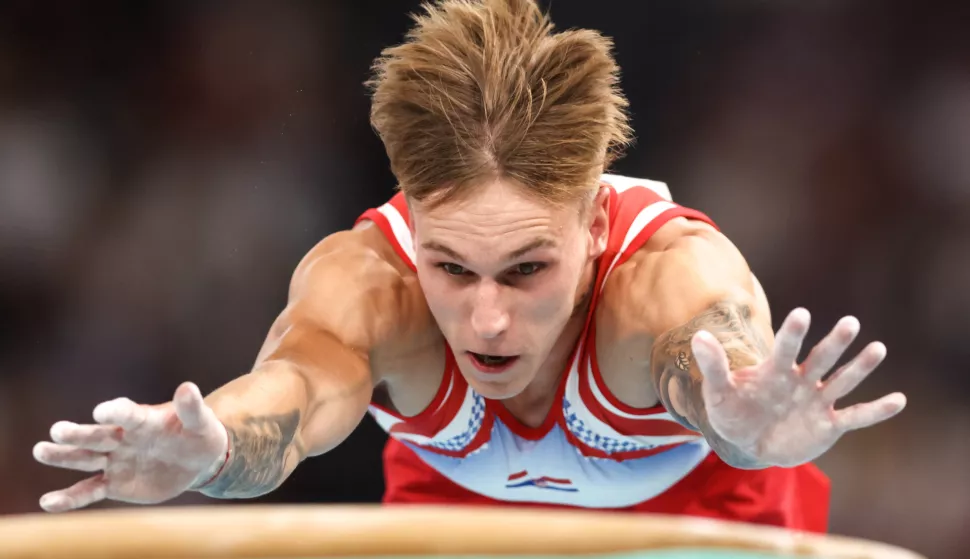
(592, 450)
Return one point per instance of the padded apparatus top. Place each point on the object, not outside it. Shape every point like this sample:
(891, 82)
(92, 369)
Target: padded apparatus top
(277, 532)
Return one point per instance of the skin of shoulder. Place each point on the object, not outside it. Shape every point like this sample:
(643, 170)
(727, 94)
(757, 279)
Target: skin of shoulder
(683, 269)
(353, 287)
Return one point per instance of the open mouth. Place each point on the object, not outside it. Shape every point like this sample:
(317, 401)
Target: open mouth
(491, 363)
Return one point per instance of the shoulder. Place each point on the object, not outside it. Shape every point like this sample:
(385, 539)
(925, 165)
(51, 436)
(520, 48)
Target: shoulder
(354, 286)
(684, 266)
(685, 269)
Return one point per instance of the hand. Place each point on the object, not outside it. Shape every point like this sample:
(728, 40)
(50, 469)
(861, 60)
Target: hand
(780, 413)
(146, 454)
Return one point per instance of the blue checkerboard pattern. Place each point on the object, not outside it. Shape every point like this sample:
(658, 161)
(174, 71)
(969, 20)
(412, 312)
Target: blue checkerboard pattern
(603, 443)
(460, 441)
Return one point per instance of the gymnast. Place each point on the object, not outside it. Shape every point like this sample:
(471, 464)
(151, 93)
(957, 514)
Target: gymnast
(528, 328)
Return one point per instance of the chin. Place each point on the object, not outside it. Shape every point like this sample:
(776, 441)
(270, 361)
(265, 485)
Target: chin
(496, 392)
(500, 388)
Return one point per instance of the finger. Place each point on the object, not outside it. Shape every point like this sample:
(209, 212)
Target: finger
(848, 377)
(711, 360)
(102, 438)
(865, 415)
(788, 340)
(70, 457)
(121, 412)
(81, 494)
(826, 354)
(189, 406)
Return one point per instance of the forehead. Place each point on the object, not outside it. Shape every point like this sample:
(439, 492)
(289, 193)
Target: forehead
(495, 211)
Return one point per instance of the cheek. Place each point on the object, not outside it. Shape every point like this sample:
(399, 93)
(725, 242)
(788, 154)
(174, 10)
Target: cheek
(564, 287)
(551, 299)
(442, 297)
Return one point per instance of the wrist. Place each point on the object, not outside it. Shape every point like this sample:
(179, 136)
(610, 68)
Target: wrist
(212, 473)
(741, 456)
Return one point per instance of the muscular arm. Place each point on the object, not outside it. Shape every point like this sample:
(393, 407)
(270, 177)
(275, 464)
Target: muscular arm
(699, 281)
(312, 382)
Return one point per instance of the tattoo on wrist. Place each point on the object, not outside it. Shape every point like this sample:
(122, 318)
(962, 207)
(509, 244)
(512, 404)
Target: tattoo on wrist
(256, 464)
(672, 364)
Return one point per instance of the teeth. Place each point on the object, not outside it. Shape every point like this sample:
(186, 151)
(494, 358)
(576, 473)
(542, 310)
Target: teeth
(491, 359)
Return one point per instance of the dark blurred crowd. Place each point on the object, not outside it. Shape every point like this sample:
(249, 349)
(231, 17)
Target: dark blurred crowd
(164, 166)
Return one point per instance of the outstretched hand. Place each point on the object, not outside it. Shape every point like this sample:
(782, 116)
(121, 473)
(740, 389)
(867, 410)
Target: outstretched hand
(144, 454)
(780, 412)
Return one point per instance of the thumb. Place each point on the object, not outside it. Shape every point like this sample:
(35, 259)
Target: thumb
(189, 406)
(712, 361)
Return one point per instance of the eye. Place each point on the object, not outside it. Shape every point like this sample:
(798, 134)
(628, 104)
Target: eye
(528, 268)
(453, 269)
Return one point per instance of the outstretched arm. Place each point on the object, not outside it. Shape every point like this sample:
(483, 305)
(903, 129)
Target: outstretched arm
(702, 284)
(718, 368)
(307, 392)
(312, 381)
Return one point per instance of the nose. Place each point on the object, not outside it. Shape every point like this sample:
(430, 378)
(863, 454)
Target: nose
(490, 319)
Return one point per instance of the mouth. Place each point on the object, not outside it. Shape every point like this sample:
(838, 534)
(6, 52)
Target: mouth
(492, 364)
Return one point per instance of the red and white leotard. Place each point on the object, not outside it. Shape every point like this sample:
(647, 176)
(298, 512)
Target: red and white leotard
(592, 451)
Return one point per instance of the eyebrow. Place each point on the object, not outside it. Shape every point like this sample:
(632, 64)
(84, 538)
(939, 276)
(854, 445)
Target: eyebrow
(542, 242)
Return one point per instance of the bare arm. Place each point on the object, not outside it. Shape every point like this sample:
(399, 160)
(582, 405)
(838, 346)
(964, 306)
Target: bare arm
(351, 301)
(717, 367)
(312, 381)
(697, 280)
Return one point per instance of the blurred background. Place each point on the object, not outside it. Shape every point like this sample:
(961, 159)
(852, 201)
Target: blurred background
(164, 166)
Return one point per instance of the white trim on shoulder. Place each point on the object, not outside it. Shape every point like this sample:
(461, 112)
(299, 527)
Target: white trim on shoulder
(402, 233)
(621, 183)
(642, 220)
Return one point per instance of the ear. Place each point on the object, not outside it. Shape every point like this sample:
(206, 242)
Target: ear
(599, 222)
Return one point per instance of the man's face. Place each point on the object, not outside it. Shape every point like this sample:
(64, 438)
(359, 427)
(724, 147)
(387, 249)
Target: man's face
(502, 273)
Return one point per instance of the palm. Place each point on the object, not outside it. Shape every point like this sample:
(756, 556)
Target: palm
(779, 411)
(146, 454)
(156, 461)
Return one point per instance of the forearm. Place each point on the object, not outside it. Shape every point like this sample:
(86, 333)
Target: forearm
(263, 412)
(679, 382)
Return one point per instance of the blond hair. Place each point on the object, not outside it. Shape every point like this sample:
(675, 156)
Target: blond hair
(483, 90)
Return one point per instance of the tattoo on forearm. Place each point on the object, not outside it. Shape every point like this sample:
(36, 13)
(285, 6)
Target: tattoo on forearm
(672, 363)
(257, 461)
